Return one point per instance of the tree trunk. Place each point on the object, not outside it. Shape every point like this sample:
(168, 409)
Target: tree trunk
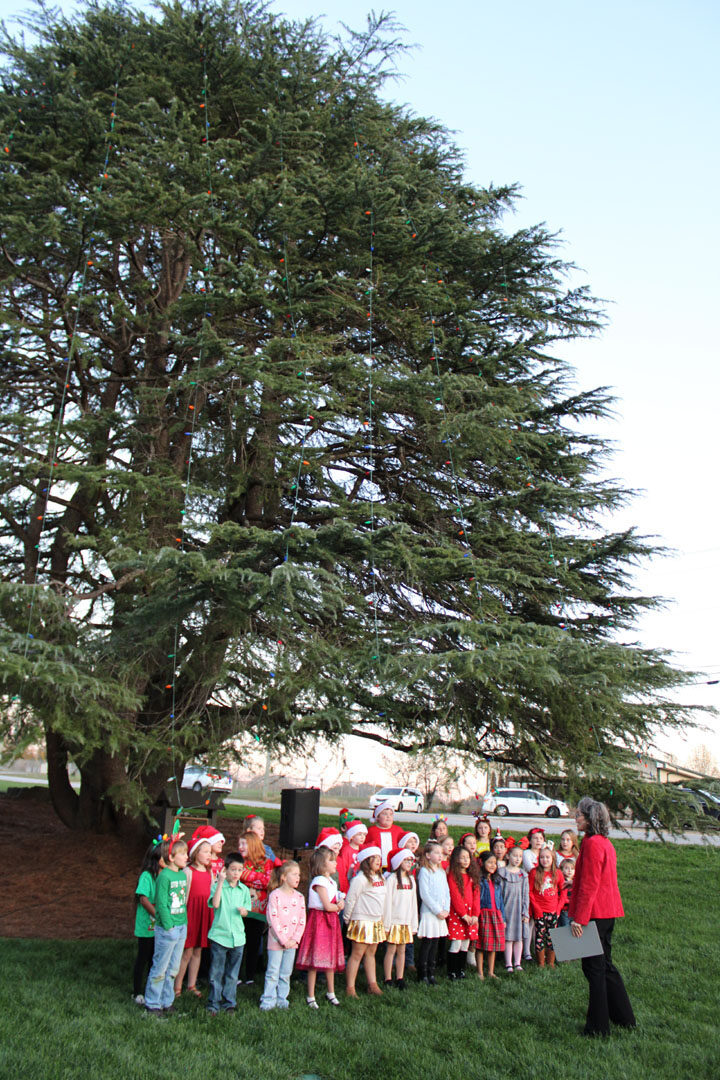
(91, 809)
(62, 795)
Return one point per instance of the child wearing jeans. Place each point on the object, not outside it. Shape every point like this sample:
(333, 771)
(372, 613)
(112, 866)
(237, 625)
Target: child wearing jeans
(286, 924)
(230, 900)
(170, 931)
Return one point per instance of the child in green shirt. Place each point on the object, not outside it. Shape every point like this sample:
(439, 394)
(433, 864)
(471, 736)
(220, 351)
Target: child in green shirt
(170, 931)
(231, 900)
(153, 863)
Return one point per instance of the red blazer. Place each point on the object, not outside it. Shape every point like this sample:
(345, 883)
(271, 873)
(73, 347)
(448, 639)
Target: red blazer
(552, 898)
(466, 902)
(595, 893)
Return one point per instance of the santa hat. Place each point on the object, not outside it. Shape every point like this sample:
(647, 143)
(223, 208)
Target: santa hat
(195, 844)
(354, 828)
(397, 857)
(328, 837)
(368, 852)
(387, 805)
(334, 840)
(207, 832)
(405, 837)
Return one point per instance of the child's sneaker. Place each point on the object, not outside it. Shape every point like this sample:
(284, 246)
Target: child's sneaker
(139, 999)
(155, 1014)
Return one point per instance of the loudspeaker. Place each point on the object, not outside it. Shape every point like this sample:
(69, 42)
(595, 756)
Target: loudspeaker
(299, 817)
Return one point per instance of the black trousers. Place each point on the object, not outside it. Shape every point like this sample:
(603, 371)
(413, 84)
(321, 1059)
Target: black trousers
(608, 996)
(254, 930)
(143, 963)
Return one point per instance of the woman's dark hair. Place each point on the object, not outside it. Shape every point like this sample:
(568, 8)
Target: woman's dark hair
(597, 816)
(483, 858)
(457, 871)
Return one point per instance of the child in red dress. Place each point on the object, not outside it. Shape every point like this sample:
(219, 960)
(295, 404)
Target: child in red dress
(464, 909)
(321, 947)
(199, 915)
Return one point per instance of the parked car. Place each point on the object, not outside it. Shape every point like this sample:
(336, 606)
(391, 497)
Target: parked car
(706, 802)
(198, 777)
(503, 801)
(401, 798)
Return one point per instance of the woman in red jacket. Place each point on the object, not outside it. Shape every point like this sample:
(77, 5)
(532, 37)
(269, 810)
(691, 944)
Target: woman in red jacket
(545, 883)
(596, 896)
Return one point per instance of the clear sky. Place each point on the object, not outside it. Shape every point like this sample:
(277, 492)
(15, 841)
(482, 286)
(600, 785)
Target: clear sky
(606, 115)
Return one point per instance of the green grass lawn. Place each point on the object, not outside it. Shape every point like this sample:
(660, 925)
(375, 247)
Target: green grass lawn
(66, 1010)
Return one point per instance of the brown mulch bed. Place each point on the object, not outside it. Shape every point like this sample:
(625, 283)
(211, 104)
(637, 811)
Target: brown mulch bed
(58, 883)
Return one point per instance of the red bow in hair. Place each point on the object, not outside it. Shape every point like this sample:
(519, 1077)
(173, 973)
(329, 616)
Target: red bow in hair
(524, 843)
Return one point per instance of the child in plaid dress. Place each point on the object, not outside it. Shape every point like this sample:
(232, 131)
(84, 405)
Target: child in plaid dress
(491, 936)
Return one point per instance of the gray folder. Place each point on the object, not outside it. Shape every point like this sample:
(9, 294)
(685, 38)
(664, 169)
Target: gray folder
(568, 947)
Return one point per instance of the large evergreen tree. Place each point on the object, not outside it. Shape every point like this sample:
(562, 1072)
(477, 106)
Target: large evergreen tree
(288, 448)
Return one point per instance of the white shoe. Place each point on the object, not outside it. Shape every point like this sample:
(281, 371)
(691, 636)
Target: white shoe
(312, 1003)
(332, 999)
(471, 959)
(138, 999)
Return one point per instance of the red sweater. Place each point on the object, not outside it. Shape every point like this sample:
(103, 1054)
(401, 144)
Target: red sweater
(376, 835)
(346, 862)
(466, 902)
(550, 900)
(259, 881)
(595, 893)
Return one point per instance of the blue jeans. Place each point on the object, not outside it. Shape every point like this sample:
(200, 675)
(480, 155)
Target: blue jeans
(160, 989)
(564, 919)
(277, 979)
(224, 967)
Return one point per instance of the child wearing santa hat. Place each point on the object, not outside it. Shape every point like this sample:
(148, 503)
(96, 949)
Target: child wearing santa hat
(347, 864)
(400, 914)
(216, 841)
(330, 837)
(383, 833)
(199, 914)
(364, 907)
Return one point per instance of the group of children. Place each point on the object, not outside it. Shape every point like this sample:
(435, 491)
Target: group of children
(466, 903)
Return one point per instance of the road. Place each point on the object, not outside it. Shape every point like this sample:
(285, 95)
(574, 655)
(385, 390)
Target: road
(512, 824)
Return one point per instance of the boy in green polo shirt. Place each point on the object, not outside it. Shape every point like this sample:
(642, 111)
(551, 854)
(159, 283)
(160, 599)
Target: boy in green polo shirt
(230, 899)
